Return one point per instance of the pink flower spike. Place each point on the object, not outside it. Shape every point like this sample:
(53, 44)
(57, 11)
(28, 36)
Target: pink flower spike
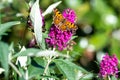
(57, 38)
(69, 14)
(108, 66)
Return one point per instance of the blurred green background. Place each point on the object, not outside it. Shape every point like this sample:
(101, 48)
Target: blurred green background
(98, 24)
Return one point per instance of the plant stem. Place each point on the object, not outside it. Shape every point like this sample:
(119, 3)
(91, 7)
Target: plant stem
(46, 67)
(17, 71)
(67, 53)
(53, 49)
(26, 74)
(109, 78)
(49, 59)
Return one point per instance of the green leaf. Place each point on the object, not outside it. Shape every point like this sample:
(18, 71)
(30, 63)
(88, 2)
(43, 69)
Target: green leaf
(27, 52)
(113, 78)
(87, 77)
(4, 50)
(73, 37)
(68, 68)
(37, 52)
(34, 71)
(39, 61)
(0, 15)
(43, 43)
(45, 35)
(11, 46)
(4, 27)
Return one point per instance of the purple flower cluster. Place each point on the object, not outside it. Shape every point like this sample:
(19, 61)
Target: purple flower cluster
(108, 66)
(58, 38)
(69, 14)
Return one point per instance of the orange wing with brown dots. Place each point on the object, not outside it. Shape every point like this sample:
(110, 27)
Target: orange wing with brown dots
(62, 23)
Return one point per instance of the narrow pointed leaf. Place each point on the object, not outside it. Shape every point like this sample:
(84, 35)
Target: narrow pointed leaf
(87, 77)
(50, 8)
(27, 52)
(66, 69)
(4, 27)
(36, 18)
(4, 50)
(37, 53)
(113, 78)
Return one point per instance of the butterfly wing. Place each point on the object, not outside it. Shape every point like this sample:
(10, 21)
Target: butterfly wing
(70, 26)
(63, 26)
(62, 23)
(73, 27)
(57, 18)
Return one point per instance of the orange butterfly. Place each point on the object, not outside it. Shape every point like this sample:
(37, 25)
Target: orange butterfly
(62, 23)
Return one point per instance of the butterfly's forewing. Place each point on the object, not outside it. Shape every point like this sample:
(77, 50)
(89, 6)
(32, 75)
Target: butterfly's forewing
(57, 18)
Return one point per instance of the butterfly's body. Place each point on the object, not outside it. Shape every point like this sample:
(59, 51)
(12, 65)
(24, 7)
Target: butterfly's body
(62, 23)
